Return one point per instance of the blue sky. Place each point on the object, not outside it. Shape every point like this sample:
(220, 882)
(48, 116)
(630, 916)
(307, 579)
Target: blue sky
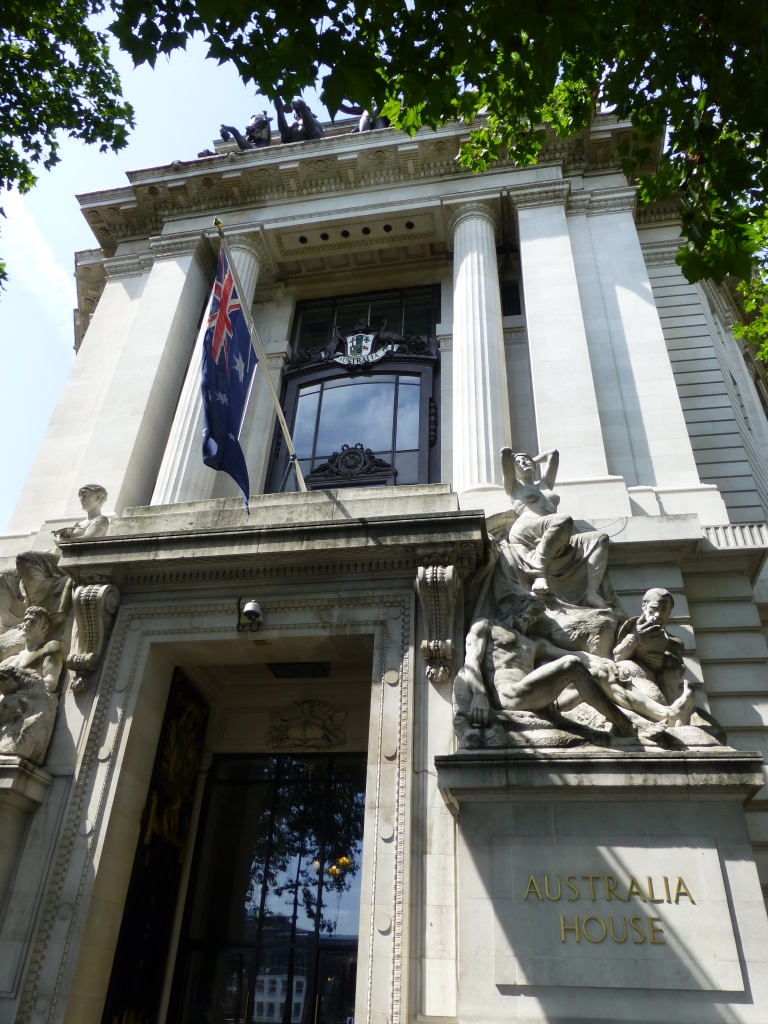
(179, 106)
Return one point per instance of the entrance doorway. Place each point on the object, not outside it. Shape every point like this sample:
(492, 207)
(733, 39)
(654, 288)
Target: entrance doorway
(271, 924)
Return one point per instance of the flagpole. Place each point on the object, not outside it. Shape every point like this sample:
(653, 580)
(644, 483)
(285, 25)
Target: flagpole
(260, 355)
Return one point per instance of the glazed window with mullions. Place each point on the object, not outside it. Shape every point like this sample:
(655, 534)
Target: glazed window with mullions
(360, 398)
(406, 311)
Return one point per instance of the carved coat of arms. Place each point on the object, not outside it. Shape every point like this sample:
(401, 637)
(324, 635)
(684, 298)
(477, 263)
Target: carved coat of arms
(360, 348)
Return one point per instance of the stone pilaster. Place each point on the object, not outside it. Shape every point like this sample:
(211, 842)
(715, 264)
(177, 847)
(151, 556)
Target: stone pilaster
(567, 415)
(115, 411)
(182, 476)
(480, 413)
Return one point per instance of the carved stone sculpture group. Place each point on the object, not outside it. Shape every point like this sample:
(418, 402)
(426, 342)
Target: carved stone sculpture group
(550, 659)
(47, 626)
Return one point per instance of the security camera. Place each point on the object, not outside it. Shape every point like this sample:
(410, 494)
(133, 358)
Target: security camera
(252, 611)
(248, 615)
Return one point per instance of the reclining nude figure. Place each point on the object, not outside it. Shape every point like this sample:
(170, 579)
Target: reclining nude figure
(544, 547)
(501, 673)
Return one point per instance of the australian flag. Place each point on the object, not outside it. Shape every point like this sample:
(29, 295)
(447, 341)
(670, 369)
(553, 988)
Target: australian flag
(229, 363)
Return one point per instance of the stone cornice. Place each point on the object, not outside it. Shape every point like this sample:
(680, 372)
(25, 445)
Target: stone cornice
(131, 264)
(611, 200)
(185, 243)
(548, 193)
(162, 247)
(661, 253)
(235, 549)
(373, 163)
(660, 212)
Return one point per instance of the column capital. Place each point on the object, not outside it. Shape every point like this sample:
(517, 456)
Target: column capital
(249, 238)
(545, 193)
(474, 209)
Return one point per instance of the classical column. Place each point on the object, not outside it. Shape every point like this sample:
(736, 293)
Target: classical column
(480, 404)
(182, 476)
(567, 415)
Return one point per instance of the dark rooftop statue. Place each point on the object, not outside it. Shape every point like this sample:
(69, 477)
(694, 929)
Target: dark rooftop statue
(304, 126)
(258, 132)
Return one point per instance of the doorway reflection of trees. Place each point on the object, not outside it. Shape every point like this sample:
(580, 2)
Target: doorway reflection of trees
(271, 928)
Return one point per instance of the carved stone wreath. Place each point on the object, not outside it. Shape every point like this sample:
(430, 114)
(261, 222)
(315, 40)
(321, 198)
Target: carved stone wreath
(307, 725)
(351, 461)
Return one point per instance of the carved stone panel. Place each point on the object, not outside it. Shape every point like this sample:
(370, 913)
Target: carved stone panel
(307, 725)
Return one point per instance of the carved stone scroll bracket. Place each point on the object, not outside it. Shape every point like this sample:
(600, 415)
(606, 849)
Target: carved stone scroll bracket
(438, 587)
(95, 607)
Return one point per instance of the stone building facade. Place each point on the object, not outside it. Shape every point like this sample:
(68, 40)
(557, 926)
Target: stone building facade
(157, 858)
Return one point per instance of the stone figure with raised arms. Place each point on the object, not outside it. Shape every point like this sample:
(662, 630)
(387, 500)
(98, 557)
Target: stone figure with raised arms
(544, 545)
(95, 524)
(550, 658)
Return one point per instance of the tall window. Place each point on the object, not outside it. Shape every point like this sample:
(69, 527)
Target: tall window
(275, 898)
(360, 392)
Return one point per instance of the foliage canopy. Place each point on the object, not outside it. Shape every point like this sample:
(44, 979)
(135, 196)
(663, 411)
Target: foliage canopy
(55, 75)
(698, 68)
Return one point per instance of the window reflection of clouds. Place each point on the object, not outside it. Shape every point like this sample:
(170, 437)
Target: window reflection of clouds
(362, 412)
(304, 426)
(407, 466)
(408, 414)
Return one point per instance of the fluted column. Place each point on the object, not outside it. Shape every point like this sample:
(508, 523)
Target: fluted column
(182, 476)
(480, 396)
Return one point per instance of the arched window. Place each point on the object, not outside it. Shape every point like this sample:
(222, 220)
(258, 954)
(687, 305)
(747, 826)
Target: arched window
(362, 408)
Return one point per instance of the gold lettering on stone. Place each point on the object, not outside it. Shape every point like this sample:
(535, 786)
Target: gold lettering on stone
(652, 898)
(610, 888)
(656, 935)
(532, 887)
(634, 889)
(569, 928)
(546, 888)
(682, 890)
(586, 934)
(639, 931)
(613, 934)
(573, 889)
(591, 879)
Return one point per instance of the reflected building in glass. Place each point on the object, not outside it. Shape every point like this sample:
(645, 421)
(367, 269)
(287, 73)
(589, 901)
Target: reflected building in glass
(273, 820)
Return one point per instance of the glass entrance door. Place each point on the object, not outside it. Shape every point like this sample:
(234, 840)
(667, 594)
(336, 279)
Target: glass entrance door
(271, 924)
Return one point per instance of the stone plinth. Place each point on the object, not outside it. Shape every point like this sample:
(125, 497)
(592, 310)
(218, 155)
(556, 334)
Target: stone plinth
(607, 886)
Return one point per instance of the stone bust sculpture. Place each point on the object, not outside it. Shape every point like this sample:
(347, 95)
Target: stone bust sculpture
(92, 497)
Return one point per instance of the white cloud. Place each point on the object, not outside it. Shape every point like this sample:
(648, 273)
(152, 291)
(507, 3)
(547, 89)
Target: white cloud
(33, 265)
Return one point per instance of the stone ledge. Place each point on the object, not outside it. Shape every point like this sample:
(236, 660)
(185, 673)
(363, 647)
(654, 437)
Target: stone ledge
(492, 775)
(22, 783)
(395, 543)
